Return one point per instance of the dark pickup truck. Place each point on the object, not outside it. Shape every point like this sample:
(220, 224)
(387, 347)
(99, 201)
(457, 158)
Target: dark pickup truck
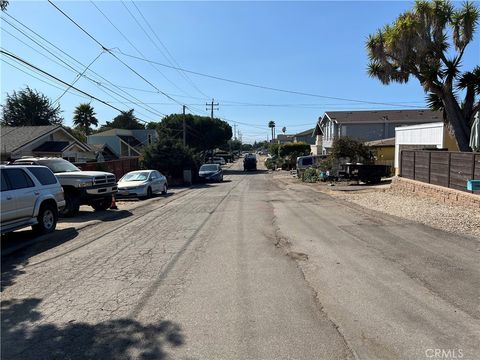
(250, 163)
(369, 174)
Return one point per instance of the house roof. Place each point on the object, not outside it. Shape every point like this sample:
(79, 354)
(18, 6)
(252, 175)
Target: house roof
(381, 116)
(308, 132)
(130, 140)
(285, 137)
(381, 142)
(52, 146)
(14, 137)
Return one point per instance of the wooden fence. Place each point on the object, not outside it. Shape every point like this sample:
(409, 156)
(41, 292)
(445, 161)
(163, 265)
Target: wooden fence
(443, 168)
(117, 167)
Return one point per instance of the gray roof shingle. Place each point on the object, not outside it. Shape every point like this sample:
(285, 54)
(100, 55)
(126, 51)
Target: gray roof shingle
(380, 116)
(14, 137)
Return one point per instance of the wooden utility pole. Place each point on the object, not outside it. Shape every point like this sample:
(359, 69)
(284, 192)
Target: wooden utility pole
(184, 128)
(212, 107)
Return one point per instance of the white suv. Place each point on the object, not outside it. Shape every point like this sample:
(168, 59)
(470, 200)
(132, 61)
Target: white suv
(30, 196)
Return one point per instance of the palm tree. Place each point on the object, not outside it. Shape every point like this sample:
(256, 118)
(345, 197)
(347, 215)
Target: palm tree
(271, 125)
(284, 130)
(84, 117)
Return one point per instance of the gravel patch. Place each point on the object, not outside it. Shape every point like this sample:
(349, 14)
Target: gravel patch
(452, 218)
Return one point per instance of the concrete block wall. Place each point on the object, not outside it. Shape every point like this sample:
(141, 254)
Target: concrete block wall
(439, 193)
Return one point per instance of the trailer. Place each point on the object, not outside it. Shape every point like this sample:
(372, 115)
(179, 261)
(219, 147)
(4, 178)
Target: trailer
(369, 174)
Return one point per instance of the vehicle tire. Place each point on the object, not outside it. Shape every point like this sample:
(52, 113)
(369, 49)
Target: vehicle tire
(165, 189)
(47, 219)
(102, 204)
(72, 205)
(149, 193)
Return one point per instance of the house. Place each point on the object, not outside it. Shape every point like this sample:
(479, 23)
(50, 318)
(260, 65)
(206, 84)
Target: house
(424, 136)
(283, 139)
(124, 142)
(317, 147)
(49, 140)
(369, 125)
(383, 151)
(305, 136)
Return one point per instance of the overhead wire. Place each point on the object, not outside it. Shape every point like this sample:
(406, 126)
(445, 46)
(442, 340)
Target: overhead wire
(243, 83)
(172, 61)
(71, 68)
(112, 53)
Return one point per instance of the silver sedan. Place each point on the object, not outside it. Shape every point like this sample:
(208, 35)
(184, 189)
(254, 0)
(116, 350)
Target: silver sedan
(142, 184)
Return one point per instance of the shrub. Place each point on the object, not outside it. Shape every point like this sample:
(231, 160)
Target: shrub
(310, 175)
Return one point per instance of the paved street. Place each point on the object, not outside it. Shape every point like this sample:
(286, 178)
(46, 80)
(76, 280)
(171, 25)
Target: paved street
(252, 268)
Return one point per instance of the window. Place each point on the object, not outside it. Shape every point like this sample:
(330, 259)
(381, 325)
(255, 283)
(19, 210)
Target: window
(4, 183)
(43, 175)
(18, 179)
(307, 161)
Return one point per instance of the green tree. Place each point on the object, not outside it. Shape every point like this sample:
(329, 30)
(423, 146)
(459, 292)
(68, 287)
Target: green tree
(202, 133)
(30, 108)
(346, 147)
(79, 134)
(419, 44)
(170, 157)
(84, 118)
(126, 120)
(271, 125)
(3, 5)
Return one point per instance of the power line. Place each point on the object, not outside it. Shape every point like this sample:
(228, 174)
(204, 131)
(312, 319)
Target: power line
(132, 45)
(168, 52)
(263, 86)
(112, 54)
(71, 68)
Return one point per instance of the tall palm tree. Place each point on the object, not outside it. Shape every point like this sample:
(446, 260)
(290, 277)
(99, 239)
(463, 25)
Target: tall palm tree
(284, 130)
(84, 118)
(271, 125)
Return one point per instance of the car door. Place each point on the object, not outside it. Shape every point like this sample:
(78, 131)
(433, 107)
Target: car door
(162, 180)
(25, 192)
(8, 201)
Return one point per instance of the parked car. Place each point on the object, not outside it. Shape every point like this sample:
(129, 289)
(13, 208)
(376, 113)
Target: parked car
(217, 160)
(30, 196)
(211, 172)
(142, 184)
(249, 162)
(94, 188)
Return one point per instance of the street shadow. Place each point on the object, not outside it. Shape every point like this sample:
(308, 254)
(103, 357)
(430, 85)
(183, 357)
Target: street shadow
(23, 339)
(15, 260)
(241, 172)
(105, 215)
(136, 199)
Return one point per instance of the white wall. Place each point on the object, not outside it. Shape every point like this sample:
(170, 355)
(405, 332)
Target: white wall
(424, 134)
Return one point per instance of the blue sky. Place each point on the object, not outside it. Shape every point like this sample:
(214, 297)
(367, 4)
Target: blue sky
(315, 47)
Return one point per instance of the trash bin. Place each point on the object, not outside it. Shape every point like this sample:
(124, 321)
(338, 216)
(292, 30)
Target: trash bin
(187, 177)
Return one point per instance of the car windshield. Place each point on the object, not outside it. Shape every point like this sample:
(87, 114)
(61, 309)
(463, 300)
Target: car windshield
(59, 165)
(209, 167)
(139, 176)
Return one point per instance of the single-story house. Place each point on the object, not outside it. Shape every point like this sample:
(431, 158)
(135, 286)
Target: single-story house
(305, 136)
(369, 125)
(284, 138)
(383, 150)
(49, 140)
(123, 142)
(424, 136)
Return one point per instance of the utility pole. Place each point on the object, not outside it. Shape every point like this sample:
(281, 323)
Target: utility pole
(212, 107)
(234, 131)
(184, 128)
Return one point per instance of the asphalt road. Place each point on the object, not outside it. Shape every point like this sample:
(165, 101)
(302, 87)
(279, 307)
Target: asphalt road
(251, 268)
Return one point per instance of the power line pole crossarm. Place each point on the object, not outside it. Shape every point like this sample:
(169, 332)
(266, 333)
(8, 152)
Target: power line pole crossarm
(213, 106)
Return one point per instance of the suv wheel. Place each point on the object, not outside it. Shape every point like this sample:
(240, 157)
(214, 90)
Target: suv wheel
(165, 189)
(102, 204)
(72, 205)
(47, 219)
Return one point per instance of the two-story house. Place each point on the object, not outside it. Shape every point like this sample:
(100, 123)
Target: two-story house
(368, 125)
(123, 142)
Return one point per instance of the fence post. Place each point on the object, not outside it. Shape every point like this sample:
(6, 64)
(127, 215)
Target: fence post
(473, 167)
(449, 170)
(414, 152)
(429, 164)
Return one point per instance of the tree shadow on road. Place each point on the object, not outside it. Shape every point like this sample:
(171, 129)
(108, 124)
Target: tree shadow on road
(28, 246)
(23, 339)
